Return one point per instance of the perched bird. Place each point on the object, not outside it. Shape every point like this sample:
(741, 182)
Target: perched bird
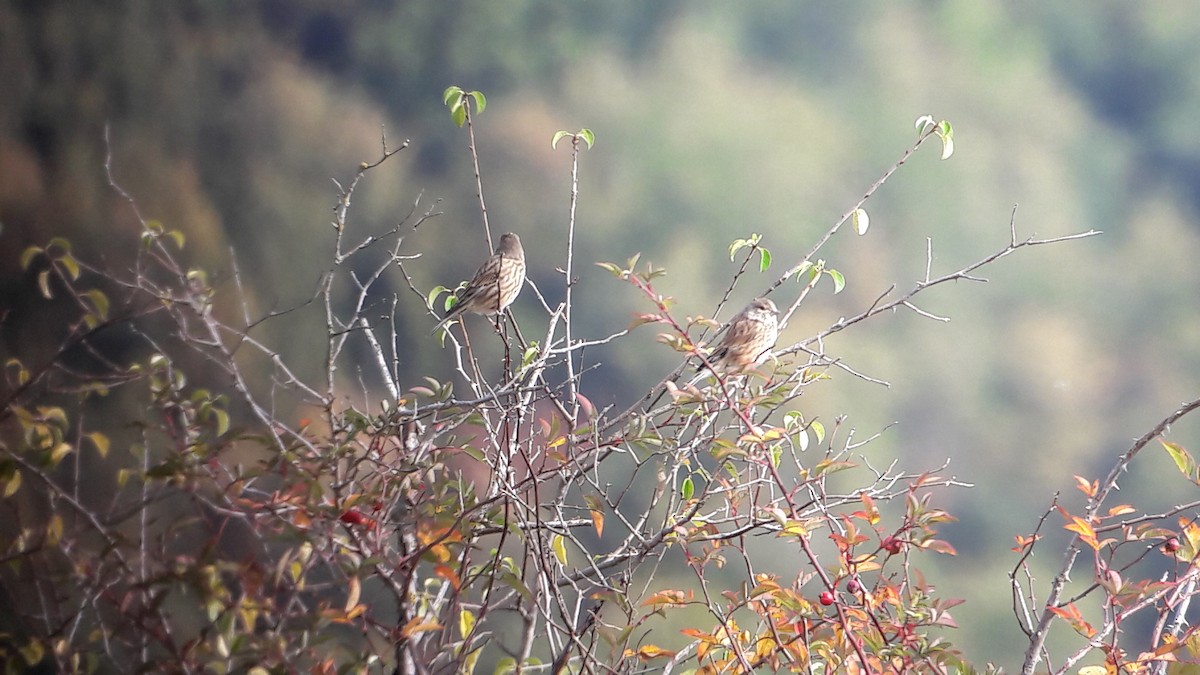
(496, 283)
(748, 340)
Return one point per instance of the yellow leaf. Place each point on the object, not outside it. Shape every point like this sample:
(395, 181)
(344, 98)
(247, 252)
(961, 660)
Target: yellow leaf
(61, 450)
(249, 616)
(354, 591)
(101, 442)
(440, 552)
(358, 611)
(466, 623)
(559, 544)
(54, 531)
(12, 484)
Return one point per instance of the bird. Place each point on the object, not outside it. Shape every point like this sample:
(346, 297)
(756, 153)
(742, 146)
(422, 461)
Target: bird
(496, 283)
(747, 340)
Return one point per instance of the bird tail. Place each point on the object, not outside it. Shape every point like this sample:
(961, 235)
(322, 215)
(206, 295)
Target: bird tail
(454, 313)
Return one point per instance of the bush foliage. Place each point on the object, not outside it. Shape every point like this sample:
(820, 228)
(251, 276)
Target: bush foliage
(178, 497)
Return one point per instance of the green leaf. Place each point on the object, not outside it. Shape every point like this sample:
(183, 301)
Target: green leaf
(1183, 459)
(32, 652)
(22, 374)
(68, 261)
(29, 254)
(923, 123)
(947, 147)
(733, 248)
(839, 281)
(830, 466)
(530, 354)
(458, 115)
(558, 136)
(60, 243)
(764, 262)
(613, 269)
(688, 488)
(433, 295)
(99, 301)
(819, 430)
(451, 93)
(860, 221)
(178, 237)
(222, 421)
(588, 137)
(480, 100)
(804, 267)
(946, 132)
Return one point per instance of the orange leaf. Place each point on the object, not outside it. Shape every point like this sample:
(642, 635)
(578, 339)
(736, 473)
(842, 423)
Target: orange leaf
(1087, 488)
(439, 552)
(448, 573)
(1023, 543)
(699, 635)
(668, 597)
(418, 625)
(1085, 531)
(1120, 510)
(598, 523)
(648, 652)
(939, 546)
(1071, 615)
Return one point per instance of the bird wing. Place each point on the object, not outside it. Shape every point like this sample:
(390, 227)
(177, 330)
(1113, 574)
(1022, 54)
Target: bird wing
(484, 276)
(741, 330)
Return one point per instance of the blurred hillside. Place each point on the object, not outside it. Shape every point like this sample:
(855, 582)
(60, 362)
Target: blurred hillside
(713, 120)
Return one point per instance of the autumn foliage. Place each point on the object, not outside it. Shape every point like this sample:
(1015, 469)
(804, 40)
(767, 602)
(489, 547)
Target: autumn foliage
(177, 496)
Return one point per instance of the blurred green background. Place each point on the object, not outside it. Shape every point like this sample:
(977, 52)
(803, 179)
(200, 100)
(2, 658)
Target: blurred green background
(713, 120)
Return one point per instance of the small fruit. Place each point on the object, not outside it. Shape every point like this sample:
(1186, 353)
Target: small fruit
(826, 598)
(352, 517)
(892, 545)
(1171, 545)
(356, 517)
(854, 585)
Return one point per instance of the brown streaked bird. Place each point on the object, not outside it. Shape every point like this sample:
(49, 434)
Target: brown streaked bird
(496, 283)
(748, 340)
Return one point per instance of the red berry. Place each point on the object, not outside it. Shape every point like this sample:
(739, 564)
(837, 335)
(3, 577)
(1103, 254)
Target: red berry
(892, 545)
(854, 585)
(352, 517)
(1171, 545)
(826, 598)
